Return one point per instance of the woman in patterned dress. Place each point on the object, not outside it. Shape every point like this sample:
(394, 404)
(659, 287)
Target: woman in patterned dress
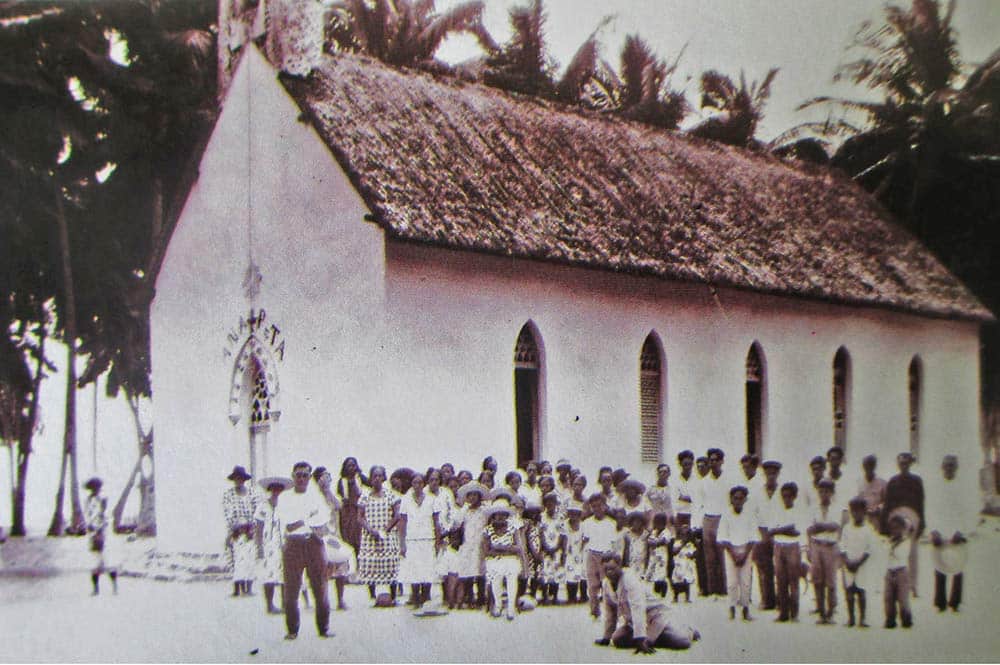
(350, 488)
(239, 505)
(270, 539)
(553, 531)
(532, 538)
(503, 553)
(378, 558)
(576, 562)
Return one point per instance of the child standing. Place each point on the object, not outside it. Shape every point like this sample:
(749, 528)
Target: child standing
(857, 543)
(533, 557)
(787, 527)
(685, 565)
(635, 545)
(575, 570)
(553, 532)
(897, 577)
(659, 548)
(449, 564)
(737, 534)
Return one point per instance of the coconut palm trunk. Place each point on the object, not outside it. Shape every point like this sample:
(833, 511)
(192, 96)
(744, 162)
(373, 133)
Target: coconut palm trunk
(57, 526)
(17, 523)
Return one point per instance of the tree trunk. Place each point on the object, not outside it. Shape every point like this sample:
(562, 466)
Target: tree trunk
(69, 434)
(146, 523)
(18, 525)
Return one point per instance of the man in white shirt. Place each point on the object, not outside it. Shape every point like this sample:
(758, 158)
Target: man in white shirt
(951, 518)
(768, 496)
(824, 557)
(600, 536)
(787, 528)
(633, 617)
(738, 532)
(304, 513)
(714, 500)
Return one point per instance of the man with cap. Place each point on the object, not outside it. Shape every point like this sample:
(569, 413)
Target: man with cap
(872, 489)
(817, 471)
(714, 501)
(904, 495)
(767, 501)
(239, 505)
(824, 557)
(952, 517)
(304, 513)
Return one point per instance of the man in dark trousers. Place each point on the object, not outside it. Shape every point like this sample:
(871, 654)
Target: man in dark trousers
(304, 513)
(904, 495)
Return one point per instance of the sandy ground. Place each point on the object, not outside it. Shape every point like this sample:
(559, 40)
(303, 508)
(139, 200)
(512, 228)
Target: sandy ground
(54, 619)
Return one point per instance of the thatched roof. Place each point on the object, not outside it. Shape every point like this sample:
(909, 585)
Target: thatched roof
(469, 167)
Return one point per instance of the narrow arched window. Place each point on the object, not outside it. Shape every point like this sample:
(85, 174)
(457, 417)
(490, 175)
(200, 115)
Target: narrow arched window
(914, 389)
(651, 398)
(756, 399)
(841, 396)
(527, 393)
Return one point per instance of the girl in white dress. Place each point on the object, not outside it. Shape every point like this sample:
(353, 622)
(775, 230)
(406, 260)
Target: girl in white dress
(576, 561)
(101, 541)
(270, 539)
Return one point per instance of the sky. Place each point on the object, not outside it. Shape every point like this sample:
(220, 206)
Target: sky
(806, 39)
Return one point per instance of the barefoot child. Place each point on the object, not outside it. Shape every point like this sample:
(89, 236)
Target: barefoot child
(600, 533)
(738, 533)
(553, 531)
(857, 543)
(576, 557)
(897, 577)
(685, 565)
(635, 543)
(658, 545)
(449, 564)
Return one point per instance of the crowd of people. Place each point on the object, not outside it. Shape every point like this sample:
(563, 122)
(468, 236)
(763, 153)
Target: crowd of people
(537, 536)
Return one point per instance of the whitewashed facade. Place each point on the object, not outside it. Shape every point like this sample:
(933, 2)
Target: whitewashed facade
(402, 354)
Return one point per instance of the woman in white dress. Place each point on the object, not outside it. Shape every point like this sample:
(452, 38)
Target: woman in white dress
(417, 538)
(270, 539)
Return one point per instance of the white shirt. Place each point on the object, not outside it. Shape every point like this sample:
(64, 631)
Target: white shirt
(602, 534)
(715, 492)
(794, 516)
(738, 528)
(763, 504)
(419, 518)
(309, 507)
(820, 515)
(532, 495)
(856, 541)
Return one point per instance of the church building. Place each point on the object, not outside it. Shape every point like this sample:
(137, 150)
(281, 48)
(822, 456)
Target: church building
(413, 269)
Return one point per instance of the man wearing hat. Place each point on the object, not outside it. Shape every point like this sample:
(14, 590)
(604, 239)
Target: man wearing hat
(817, 469)
(767, 500)
(904, 495)
(824, 557)
(239, 505)
(304, 513)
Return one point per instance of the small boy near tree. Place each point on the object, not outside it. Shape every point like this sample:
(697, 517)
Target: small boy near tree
(857, 543)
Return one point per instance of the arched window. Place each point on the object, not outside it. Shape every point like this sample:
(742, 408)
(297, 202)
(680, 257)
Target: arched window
(841, 396)
(651, 398)
(915, 389)
(527, 393)
(756, 399)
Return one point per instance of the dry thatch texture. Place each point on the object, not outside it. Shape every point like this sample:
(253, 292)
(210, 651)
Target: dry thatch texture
(469, 167)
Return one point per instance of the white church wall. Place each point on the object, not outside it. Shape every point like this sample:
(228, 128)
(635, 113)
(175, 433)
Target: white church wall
(402, 355)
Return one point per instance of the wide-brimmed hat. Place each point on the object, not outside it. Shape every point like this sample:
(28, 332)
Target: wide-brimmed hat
(574, 507)
(93, 484)
(771, 464)
(266, 483)
(239, 472)
(472, 486)
(502, 493)
(633, 483)
(563, 462)
(497, 508)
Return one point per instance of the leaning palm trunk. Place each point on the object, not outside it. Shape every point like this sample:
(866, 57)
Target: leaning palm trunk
(146, 524)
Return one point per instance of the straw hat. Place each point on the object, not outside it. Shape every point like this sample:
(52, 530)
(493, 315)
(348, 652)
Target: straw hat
(497, 508)
(239, 472)
(266, 483)
(472, 486)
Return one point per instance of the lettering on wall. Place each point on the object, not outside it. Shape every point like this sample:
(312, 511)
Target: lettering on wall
(254, 347)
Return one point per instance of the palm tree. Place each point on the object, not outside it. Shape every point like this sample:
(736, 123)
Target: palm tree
(404, 33)
(524, 65)
(740, 108)
(642, 91)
